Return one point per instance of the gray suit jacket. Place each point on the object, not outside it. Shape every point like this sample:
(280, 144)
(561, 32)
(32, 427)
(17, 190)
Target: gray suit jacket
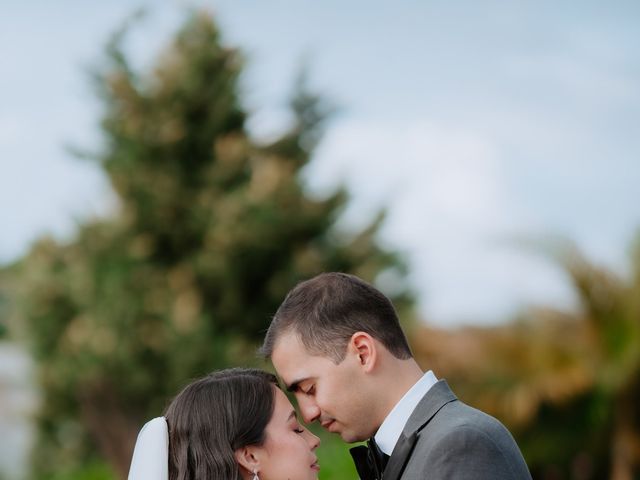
(446, 439)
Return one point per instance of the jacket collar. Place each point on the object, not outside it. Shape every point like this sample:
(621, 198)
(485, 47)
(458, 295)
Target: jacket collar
(436, 398)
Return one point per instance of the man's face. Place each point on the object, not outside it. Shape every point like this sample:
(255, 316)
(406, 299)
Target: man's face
(326, 392)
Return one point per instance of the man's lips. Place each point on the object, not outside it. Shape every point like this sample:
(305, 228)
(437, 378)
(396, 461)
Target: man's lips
(326, 424)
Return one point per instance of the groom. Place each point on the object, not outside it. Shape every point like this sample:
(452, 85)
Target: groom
(337, 345)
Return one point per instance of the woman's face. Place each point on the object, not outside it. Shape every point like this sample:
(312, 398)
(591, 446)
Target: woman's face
(288, 452)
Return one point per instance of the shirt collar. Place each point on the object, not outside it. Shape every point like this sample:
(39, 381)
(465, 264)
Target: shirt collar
(389, 432)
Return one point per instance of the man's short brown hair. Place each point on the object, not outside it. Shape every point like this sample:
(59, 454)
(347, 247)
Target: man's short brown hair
(325, 311)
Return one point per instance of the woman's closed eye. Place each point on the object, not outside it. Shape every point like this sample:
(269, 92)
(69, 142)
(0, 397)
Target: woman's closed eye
(297, 427)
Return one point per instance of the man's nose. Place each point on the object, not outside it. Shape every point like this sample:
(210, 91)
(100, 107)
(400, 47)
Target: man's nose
(309, 409)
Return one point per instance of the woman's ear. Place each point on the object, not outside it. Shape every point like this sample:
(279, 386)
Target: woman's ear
(247, 459)
(364, 346)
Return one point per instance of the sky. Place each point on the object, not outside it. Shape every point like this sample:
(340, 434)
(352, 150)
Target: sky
(473, 123)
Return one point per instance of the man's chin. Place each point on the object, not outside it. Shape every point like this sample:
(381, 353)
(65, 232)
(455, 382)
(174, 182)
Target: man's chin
(346, 435)
(350, 437)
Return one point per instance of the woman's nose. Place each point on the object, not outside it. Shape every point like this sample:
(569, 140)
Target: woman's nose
(314, 440)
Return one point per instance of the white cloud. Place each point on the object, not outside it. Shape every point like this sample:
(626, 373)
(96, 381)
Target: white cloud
(449, 209)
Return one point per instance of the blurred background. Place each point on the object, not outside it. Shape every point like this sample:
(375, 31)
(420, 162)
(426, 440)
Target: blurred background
(168, 171)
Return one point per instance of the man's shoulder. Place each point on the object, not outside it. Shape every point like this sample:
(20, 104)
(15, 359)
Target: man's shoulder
(457, 414)
(457, 420)
(452, 439)
(440, 409)
(466, 435)
(466, 443)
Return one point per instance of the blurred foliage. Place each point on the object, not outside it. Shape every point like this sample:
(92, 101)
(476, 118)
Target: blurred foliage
(211, 231)
(4, 304)
(92, 470)
(567, 384)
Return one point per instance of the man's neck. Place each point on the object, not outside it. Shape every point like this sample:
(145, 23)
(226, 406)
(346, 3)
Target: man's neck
(400, 376)
(394, 423)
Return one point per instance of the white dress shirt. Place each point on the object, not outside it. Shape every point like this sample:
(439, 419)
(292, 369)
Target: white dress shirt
(389, 432)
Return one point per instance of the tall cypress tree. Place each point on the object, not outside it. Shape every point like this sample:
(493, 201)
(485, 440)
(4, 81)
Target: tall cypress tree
(211, 231)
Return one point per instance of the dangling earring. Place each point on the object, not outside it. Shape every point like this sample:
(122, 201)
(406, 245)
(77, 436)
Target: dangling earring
(255, 475)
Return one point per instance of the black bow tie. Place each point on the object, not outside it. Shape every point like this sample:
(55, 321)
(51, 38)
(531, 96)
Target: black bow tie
(370, 460)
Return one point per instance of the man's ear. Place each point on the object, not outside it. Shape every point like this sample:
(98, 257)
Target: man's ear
(364, 346)
(247, 458)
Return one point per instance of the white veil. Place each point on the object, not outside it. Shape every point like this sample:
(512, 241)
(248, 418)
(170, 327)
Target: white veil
(151, 454)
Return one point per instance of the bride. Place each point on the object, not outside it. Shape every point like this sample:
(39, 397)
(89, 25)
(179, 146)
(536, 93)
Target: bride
(232, 424)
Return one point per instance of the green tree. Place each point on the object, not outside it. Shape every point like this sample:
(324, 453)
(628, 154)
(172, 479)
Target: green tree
(610, 317)
(212, 229)
(567, 383)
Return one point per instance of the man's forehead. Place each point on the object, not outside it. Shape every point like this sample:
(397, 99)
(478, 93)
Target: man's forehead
(287, 344)
(292, 362)
(289, 357)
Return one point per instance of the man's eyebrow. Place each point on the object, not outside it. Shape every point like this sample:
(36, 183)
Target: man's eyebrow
(293, 386)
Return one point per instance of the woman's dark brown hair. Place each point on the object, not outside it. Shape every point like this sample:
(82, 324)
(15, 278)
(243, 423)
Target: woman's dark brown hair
(214, 416)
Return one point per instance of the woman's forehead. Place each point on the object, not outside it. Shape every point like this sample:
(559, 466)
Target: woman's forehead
(283, 409)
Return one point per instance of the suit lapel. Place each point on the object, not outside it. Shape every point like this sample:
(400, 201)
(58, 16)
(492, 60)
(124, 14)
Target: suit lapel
(437, 397)
(401, 454)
